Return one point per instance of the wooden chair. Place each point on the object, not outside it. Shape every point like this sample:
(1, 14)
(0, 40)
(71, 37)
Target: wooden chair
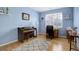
(49, 32)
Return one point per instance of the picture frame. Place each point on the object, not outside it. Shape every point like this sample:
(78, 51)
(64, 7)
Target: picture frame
(3, 10)
(25, 16)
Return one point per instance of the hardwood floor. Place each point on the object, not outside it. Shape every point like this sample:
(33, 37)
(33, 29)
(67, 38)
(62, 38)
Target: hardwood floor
(59, 44)
(56, 44)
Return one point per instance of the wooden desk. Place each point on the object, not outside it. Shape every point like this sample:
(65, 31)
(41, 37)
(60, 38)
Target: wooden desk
(74, 36)
(25, 33)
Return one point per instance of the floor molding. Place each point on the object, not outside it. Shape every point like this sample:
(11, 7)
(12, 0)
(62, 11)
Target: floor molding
(8, 43)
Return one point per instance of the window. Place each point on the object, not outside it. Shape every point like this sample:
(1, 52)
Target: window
(54, 19)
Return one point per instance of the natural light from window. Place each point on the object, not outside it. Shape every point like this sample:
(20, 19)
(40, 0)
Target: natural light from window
(54, 19)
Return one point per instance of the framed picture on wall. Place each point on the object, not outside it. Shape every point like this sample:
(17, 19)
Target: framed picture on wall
(3, 10)
(25, 16)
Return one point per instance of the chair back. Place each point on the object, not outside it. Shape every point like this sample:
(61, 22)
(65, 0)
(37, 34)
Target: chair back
(49, 29)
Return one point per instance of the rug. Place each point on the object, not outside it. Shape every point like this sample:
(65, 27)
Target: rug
(35, 45)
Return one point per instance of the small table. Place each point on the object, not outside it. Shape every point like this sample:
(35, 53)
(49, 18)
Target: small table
(74, 36)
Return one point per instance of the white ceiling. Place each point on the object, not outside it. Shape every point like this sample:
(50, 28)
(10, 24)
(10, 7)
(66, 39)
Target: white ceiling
(42, 9)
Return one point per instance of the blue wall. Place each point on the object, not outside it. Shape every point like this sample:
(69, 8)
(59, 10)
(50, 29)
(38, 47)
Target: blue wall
(66, 21)
(9, 23)
(76, 17)
(76, 21)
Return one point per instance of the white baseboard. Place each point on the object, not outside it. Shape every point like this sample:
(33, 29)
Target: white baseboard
(8, 43)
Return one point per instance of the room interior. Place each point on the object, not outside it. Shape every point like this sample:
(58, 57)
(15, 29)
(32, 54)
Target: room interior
(39, 29)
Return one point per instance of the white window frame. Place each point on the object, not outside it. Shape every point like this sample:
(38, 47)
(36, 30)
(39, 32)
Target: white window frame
(55, 19)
